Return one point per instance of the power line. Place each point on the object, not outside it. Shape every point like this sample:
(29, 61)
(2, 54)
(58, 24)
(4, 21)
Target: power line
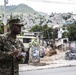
(56, 2)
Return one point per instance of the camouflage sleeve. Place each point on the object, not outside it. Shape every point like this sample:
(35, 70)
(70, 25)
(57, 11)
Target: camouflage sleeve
(3, 54)
(2, 49)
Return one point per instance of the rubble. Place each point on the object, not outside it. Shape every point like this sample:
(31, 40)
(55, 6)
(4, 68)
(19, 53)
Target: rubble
(70, 54)
(54, 61)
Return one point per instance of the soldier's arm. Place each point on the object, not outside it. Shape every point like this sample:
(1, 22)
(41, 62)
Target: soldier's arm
(2, 49)
(23, 52)
(2, 52)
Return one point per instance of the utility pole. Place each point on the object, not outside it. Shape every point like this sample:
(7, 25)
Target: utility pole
(53, 39)
(5, 20)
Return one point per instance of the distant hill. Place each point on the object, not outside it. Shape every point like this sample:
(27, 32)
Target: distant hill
(18, 8)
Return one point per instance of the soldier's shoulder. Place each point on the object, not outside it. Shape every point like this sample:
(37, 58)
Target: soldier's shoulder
(3, 35)
(19, 41)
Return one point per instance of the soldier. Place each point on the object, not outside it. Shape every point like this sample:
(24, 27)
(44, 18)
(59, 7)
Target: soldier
(10, 47)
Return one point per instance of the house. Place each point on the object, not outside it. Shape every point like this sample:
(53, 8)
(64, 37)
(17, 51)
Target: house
(62, 41)
(26, 40)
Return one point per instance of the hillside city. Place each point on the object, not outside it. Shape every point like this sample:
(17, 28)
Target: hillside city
(54, 19)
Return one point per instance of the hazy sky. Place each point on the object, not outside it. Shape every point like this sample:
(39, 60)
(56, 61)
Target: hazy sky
(47, 6)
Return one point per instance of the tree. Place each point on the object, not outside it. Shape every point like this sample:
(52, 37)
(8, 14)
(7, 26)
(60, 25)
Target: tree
(46, 31)
(72, 32)
(56, 33)
(36, 28)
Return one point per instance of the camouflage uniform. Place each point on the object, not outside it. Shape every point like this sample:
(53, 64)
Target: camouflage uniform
(8, 63)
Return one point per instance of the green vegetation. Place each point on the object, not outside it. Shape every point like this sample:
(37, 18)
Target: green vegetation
(46, 31)
(72, 32)
(66, 17)
(18, 8)
(36, 28)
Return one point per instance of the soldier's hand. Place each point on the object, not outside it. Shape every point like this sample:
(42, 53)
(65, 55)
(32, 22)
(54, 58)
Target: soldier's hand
(20, 56)
(15, 52)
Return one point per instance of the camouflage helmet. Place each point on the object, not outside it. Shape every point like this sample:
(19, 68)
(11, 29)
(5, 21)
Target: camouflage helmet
(15, 21)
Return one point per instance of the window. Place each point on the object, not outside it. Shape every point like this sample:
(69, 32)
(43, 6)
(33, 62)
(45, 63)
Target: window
(26, 40)
(64, 28)
(65, 41)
